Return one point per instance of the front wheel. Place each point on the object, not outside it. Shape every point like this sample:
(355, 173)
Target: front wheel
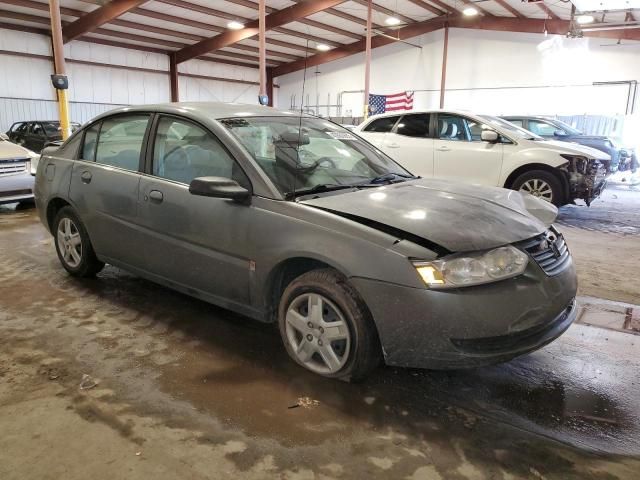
(542, 184)
(326, 327)
(73, 245)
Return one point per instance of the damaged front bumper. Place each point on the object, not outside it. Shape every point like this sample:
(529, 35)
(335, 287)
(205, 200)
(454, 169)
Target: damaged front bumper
(586, 178)
(471, 326)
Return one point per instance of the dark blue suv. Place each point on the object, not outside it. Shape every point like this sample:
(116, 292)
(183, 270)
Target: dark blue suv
(553, 129)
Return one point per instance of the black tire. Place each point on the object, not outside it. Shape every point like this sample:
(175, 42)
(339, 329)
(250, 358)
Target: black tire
(365, 352)
(88, 264)
(558, 195)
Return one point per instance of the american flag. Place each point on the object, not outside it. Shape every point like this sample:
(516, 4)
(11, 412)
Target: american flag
(390, 103)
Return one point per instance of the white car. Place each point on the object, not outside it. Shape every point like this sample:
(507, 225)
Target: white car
(17, 169)
(486, 150)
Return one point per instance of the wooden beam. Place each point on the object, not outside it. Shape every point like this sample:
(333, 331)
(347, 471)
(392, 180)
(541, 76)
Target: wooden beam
(444, 6)
(503, 24)
(428, 6)
(404, 33)
(386, 11)
(443, 77)
(133, 37)
(164, 31)
(174, 87)
(229, 16)
(98, 17)
(509, 8)
(273, 20)
(548, 11)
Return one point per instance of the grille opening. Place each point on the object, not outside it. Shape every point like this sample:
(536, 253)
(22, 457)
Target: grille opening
(549, 251)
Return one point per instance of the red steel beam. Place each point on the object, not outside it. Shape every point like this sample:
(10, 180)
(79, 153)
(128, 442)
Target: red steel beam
(386, 11)
(429, 7)
(548, 11)
(98, 17)
(503, 24)
(509, 8)
(273, 20)
(173, 78)
(443, 77)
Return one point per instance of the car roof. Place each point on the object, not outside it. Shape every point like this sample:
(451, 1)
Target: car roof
(529, 117)
(408, 112)
(210, 110)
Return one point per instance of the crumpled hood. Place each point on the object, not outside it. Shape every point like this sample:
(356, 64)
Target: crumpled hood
(577, 149)
(459, 217)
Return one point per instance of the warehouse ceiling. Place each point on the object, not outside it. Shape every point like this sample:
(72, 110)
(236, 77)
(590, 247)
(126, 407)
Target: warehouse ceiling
(299, 32)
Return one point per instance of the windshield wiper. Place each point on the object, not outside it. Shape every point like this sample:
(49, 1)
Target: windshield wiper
(389, 177)
(323, 187)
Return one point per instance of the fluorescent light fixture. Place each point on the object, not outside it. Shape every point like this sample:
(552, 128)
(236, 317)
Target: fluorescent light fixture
(584, 19)
(323, 47)
(470, 11)
(392, 21)
(233, 25)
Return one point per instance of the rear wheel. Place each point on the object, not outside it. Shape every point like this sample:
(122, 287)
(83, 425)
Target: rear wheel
(542, 184)
(73, 245)
(326, 327)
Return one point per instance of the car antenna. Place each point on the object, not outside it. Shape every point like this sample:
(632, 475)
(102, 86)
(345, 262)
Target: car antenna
(304, 80)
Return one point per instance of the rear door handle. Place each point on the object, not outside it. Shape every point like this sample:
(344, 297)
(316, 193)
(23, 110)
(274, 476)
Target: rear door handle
(86, 177)
(443, 149)
(156, 196)
(393, 145)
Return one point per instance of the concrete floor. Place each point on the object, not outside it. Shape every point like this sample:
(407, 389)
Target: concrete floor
(187, 390)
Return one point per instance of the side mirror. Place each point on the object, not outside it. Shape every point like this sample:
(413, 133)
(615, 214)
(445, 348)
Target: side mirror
(219, 187)
(559, 133)
(490, 136)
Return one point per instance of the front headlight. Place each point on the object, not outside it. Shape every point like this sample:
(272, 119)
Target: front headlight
(463, 270)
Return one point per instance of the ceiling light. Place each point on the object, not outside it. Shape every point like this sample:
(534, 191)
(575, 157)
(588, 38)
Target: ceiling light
(323, 47)
(233, 25)
(470, 11)
(584, 19)
(392, 21)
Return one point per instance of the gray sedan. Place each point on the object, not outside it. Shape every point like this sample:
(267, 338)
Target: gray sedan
(296, 220)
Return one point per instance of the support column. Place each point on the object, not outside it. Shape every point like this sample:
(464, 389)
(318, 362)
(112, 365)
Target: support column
(270, 86)
(367, 60)
(262, 50)
(59, 66)
(443, 79)
(173, 78)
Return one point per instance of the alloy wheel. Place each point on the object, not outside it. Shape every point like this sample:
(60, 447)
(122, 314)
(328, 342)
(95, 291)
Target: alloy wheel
(69, 242)
(318, 333)
(538, 188)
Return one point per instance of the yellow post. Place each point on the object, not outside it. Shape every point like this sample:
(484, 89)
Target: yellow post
(59, 66)
(63, 107)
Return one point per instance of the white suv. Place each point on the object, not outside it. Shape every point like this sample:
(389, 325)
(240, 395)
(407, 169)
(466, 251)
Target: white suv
(487, 150)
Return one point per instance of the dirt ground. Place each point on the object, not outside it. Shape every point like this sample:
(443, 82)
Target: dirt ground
(120, 378)
(605, 242)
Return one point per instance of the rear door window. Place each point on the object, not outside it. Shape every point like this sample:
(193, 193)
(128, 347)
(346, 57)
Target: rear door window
(414, 125)
(120, 142)
(381, 125)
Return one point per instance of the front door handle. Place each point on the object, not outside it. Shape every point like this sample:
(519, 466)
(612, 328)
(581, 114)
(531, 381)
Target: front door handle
(443, 149)
(86, 177)
(156, 196)
(393, 145)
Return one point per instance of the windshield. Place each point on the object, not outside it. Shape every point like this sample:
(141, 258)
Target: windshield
(321, 155)
(510, 127)
(567, 128)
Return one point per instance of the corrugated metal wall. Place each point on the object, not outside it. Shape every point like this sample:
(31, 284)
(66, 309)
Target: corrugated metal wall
(26, 92)
(20, 109)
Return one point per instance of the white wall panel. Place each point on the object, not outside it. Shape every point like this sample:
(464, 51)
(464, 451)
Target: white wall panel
(486, 71)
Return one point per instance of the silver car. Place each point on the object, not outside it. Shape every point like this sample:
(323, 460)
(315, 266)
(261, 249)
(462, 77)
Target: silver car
(16, 167)
(296, 220)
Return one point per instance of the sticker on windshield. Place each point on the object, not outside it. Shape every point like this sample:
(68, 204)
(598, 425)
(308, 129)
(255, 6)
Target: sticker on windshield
(341, 135)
